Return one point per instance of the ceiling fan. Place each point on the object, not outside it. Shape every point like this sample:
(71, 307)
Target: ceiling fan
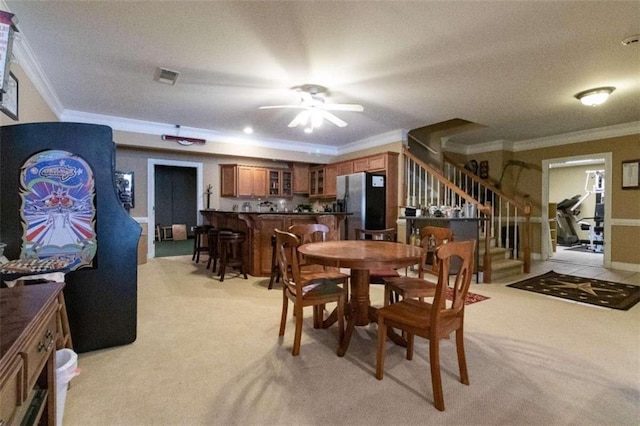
(314, 109)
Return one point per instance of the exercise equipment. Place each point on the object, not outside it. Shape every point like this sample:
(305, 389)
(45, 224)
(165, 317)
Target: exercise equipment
(565, 216)
(596, 229)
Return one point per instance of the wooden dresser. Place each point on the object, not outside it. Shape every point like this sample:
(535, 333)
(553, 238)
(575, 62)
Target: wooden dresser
(28, 333)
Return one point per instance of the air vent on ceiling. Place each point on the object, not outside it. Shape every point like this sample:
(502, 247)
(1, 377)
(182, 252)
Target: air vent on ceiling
(163, 75)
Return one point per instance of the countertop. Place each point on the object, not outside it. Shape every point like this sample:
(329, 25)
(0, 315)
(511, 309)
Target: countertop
(274, 213)
(438, 218)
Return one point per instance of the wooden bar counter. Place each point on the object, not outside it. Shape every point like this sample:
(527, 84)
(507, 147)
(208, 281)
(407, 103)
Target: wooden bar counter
(259, 227)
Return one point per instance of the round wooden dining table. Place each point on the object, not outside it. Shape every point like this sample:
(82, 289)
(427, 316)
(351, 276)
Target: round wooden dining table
(360, 256)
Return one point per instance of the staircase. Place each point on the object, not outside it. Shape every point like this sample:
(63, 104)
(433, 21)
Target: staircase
(504, 223)
(502, 265)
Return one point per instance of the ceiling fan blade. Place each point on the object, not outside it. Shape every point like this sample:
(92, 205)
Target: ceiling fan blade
(283, 106)
(332, 118)
(342, 107)
(301, 118)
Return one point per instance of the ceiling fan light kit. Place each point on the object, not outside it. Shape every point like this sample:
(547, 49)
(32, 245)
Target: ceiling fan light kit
(315, 109)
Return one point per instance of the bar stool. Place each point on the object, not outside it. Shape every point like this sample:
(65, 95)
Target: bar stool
(200, 241)
(275, 268)
(231, 254)
(214, 247)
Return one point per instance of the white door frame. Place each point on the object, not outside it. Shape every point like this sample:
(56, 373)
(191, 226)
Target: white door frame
(151, 195)
(545, 252)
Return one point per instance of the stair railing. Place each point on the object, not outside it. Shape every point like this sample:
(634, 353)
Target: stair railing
(427, 186)
(511, 219)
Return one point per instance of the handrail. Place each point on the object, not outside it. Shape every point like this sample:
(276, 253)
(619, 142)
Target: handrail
(483, 209)
(446, 182)
(486, 184)
(509, 201)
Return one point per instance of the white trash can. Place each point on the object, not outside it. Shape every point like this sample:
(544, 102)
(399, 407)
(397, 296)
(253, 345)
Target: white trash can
(66, 369)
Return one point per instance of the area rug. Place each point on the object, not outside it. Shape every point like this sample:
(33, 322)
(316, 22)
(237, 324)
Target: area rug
(584, 290)
(471, 297)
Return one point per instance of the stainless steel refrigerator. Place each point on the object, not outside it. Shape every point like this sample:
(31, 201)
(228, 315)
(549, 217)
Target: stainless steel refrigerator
(364, 196)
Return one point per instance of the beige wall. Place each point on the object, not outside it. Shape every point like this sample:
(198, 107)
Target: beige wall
(625, 204)
(31, 106)
(136, 160)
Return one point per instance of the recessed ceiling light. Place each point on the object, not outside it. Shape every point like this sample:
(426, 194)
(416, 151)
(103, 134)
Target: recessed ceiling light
(594, 97)
(248, 130)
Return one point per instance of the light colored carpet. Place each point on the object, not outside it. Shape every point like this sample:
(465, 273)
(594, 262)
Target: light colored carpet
(209, 353)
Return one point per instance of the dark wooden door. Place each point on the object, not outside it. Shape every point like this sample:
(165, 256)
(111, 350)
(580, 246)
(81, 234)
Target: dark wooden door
(175, 196)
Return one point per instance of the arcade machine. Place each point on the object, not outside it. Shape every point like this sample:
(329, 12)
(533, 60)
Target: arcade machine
(60, 213)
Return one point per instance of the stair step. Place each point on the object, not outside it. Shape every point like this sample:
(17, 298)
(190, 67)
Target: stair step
(505, 268)
(497, 254)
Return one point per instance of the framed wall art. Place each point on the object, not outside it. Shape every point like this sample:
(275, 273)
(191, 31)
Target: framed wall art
(9, 99)
(124, 185)
(631, 174)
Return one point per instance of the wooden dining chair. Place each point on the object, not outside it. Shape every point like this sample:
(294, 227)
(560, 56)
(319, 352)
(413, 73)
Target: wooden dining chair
(436, 320)
(419, 287)
(316, 232)
(437, 236)
(304, 292)
(377, 276)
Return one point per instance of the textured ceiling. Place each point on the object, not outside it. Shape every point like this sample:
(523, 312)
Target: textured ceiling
(512, 67)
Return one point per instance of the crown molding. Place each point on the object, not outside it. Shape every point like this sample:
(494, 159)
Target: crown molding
(618, 130)
(397, 135)
(30, 65)
(159, 129)
(497, 145)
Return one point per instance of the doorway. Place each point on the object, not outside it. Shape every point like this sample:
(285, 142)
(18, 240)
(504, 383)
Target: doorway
(569, 253)
(174, 176)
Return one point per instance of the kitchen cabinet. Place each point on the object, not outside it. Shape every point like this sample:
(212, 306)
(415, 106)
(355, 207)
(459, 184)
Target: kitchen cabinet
(371, 163)
(280, 183)
(242, 181)
(316, 181)
(345, 168)
(259, 227)
(300, 178)
(330, 180)
(252, 181)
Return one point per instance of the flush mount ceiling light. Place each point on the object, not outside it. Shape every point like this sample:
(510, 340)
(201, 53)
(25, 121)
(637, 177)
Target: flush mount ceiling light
(594, 97)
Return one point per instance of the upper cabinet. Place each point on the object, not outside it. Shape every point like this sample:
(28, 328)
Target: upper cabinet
(280, 183)
(252, 182)
(330, 180)
(345, 168)
(300, 178)
(316, 181)
(242, 181)
(373, 163)
(322, 179)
